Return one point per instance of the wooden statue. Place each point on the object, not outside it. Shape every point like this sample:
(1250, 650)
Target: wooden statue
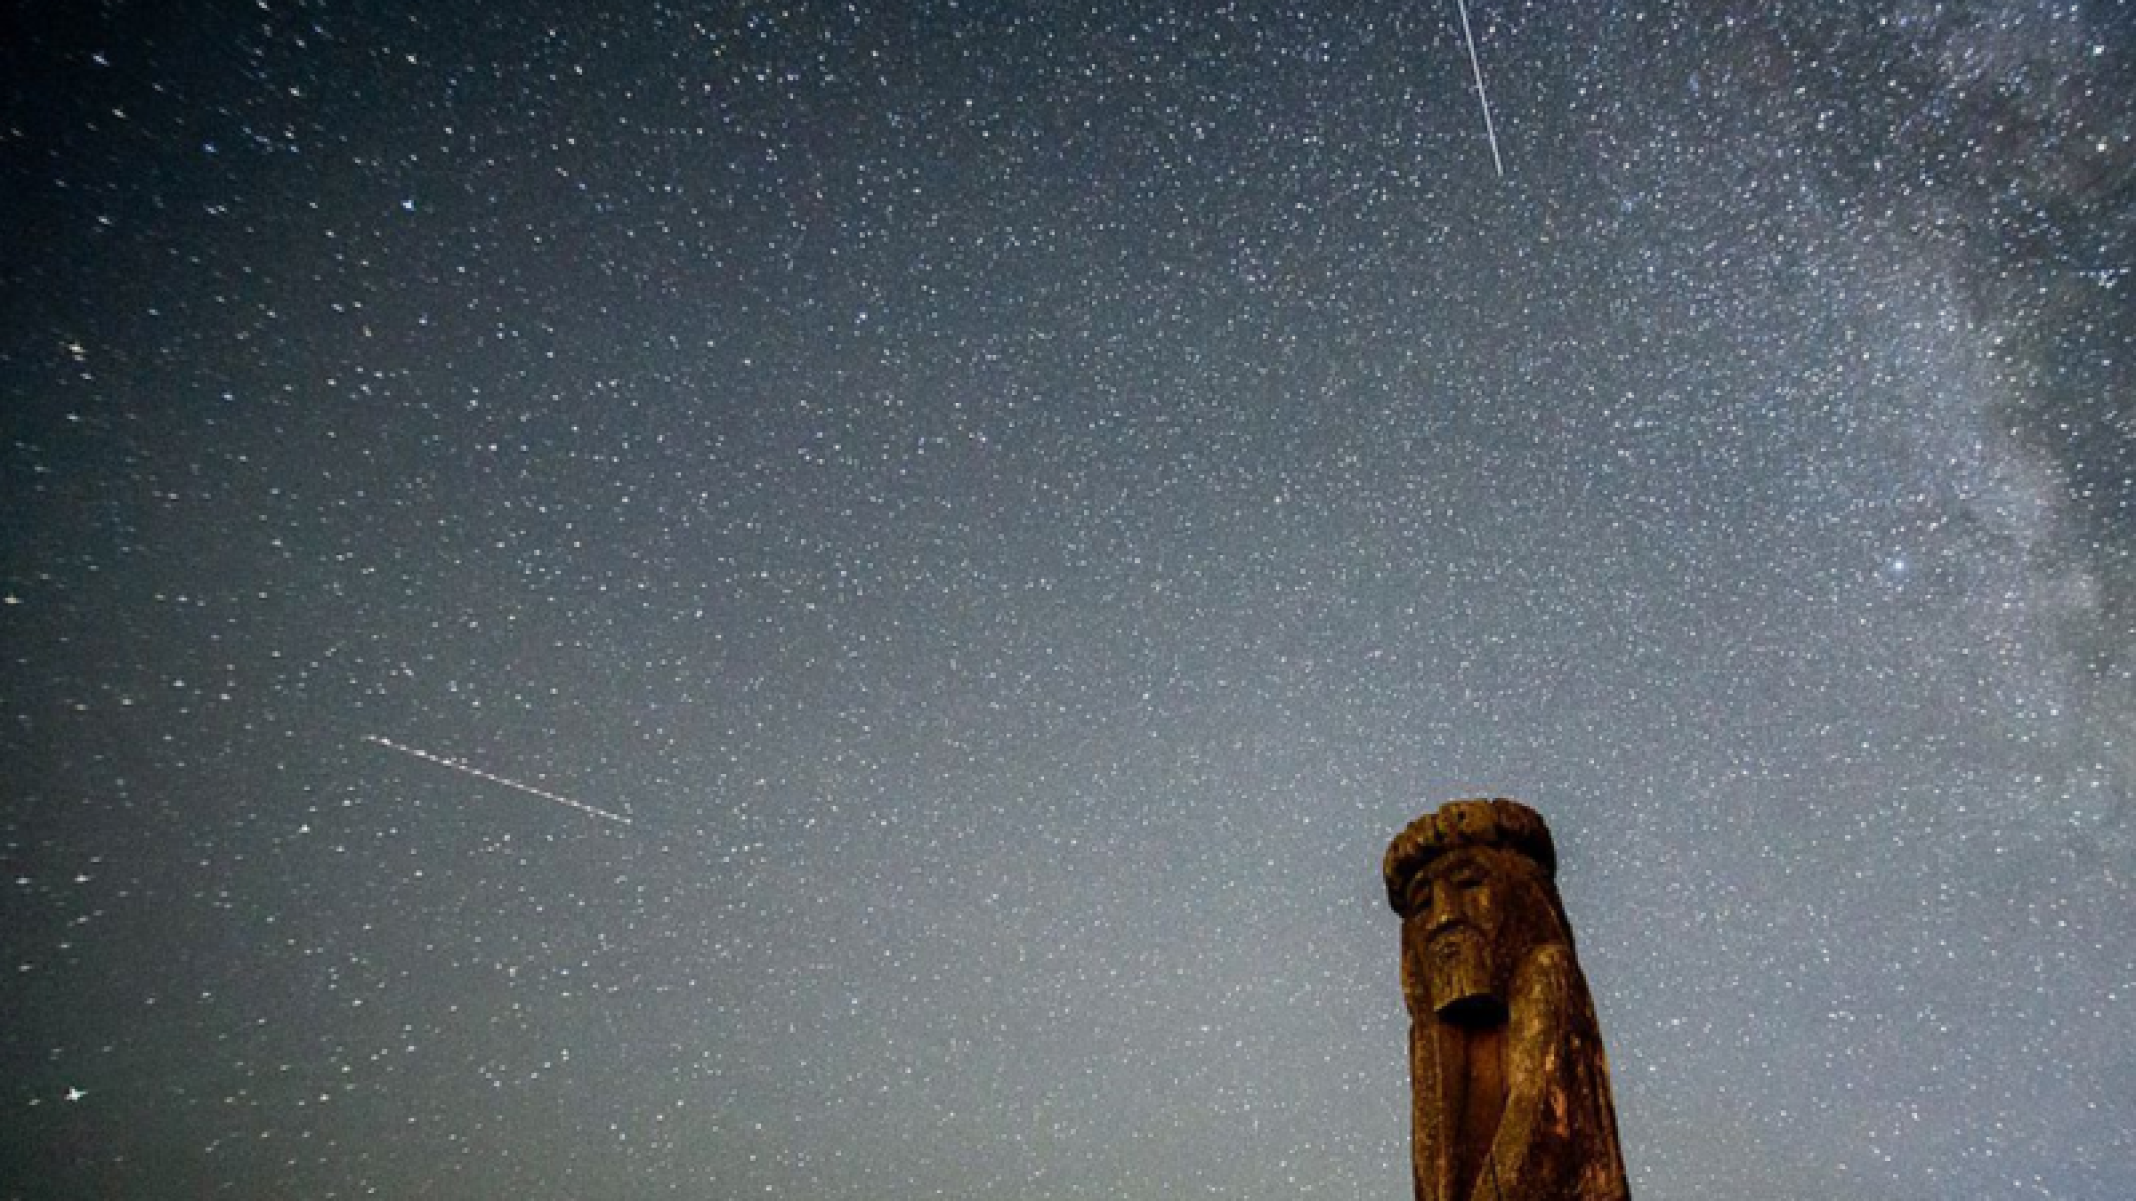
(1510, 1089)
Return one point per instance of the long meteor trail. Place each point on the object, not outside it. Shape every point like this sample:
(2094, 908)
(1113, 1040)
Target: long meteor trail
(493, 778)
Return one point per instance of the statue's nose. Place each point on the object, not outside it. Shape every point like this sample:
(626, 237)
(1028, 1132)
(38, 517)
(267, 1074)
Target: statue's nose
(1440, 913)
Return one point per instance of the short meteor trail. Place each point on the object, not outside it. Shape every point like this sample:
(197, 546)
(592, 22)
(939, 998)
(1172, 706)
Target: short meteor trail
(1476, 65)
(492, 778)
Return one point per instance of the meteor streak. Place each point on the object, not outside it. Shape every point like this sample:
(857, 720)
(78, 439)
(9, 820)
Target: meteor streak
(493, 778)
(1476, 65)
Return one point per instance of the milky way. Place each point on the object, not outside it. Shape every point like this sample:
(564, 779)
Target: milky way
(1018, 505)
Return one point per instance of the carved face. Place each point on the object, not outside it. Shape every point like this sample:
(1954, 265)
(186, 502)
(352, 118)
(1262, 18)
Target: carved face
(1458, 904)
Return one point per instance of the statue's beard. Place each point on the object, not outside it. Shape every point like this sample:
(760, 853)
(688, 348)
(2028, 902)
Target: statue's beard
(1462, 977)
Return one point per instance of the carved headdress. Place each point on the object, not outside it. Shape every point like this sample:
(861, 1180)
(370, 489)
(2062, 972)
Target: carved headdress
(1501, 823)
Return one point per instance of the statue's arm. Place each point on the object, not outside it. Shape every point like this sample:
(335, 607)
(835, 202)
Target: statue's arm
(1527, 1153)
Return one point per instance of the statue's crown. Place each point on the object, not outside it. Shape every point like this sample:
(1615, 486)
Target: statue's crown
(1478, 823)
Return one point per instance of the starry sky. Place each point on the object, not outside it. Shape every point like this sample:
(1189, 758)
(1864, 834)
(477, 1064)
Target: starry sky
(838, 601)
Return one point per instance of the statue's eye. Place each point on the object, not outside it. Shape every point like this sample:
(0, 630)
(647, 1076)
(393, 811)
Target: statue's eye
(1468, 880)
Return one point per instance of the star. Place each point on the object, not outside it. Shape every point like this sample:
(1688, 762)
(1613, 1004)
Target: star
(76, 1094)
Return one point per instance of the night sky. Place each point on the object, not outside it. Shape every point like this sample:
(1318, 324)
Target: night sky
(839, 601)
